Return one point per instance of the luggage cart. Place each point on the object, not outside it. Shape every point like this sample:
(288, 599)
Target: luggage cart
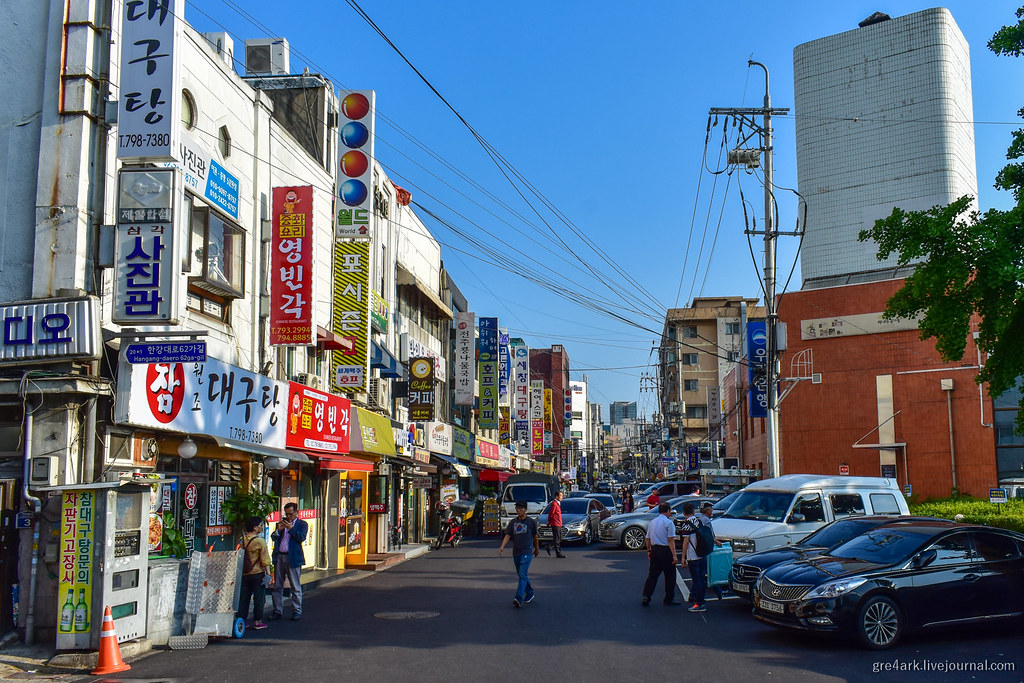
(211, 600)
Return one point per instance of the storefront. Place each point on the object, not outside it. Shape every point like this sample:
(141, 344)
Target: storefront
(363, 531)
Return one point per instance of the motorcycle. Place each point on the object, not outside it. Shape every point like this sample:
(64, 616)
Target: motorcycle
(454, 516)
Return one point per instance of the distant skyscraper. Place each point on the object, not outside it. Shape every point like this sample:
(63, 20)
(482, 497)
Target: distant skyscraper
(883, 119)
(621, 410)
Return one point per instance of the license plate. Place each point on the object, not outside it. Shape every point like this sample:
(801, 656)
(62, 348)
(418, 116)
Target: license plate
(740, 587)
(769, 606)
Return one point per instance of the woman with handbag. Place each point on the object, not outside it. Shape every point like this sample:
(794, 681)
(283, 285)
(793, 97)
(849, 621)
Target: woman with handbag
(256, 568)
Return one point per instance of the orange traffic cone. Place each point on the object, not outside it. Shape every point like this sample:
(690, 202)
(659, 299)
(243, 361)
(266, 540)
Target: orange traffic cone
(110, 661)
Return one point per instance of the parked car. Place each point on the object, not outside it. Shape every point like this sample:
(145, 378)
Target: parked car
(579, 493)
(748, 569)
(536, 490)
(608, 500)
(898, 577)
(581, 519)
(722, 504)
(783, 510)
(628, 530)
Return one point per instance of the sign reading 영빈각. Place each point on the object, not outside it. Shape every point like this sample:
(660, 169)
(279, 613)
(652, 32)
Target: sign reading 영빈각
(291, 264)
(317, 420)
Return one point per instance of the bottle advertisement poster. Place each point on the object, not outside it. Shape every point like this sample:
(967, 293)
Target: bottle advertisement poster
(77, 529)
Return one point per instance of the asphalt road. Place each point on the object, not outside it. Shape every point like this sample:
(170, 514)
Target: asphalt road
(448, 615)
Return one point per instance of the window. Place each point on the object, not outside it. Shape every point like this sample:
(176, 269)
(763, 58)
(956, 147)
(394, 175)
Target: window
(732, 328)
(188, 110)
(696, 412)
(993, 547)
(689, 332)
(884, 504)
(689, 359)
(224, 141)
(690, 384)
(846, 504)
(734, 356)
(219, 250)
(810, 507)
(955, 549)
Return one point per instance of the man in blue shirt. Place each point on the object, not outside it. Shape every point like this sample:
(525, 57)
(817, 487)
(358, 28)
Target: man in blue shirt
(661, 550)
(288, 560)
(525, 546)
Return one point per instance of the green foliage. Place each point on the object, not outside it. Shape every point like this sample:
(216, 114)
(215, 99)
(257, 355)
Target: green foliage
(173, 543)
(242, 505)
(1008, 515)
(968, 264)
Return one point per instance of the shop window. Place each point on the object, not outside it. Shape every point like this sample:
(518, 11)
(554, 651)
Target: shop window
(218, 248)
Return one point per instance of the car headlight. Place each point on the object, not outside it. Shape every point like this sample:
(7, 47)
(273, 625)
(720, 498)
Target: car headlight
(576, 526)
(612, 525)
(833, 589)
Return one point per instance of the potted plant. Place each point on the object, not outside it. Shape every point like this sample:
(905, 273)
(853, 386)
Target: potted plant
(245, 504)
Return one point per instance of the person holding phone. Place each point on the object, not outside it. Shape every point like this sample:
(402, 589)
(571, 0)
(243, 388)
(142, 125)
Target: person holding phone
(288, 537)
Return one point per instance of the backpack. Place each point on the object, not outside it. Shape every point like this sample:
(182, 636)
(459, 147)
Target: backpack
(246, 561)
(705, 539)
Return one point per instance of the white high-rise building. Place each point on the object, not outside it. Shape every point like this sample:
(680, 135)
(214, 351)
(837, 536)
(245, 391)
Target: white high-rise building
(883, 119)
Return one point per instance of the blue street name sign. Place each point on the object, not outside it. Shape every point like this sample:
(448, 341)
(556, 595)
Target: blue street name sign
(167, 352)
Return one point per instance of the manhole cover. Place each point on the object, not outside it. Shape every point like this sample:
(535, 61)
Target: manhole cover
(407, 615)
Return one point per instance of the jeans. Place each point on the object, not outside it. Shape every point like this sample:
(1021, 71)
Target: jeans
(661, 564)
(524, 591)
(283, 568)
(699, 576)
(252, 588)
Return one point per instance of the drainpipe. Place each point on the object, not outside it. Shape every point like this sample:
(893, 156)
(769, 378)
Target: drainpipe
(947, 386)
(37, 507)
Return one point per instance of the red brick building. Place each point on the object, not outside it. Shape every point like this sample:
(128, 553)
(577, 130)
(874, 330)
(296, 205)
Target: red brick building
(552, 367)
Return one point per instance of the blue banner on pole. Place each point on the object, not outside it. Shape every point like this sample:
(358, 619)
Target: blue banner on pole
(757, 376)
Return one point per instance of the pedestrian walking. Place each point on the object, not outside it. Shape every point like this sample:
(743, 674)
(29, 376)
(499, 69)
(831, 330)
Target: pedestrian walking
(555, 522)
(288, 560)
(256, 567)
(661, 551)
(522, 531)
(627, 500)
(707, 511)
(693, 558)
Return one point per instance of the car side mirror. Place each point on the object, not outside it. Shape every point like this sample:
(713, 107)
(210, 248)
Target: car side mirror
(796, 518)
(922, 560)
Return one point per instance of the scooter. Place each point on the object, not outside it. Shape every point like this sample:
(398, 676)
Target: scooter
(453, 519)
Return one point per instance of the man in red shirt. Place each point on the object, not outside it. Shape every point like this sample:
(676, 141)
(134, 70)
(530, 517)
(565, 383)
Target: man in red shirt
(555, 522)
(653, 500)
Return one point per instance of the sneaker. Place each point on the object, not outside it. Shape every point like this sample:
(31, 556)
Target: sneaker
(259, 626)
(645, 601)
(528, 600)
(516, 603)
(296, 616)
(548, 548)
(274, 616)
(697, 608)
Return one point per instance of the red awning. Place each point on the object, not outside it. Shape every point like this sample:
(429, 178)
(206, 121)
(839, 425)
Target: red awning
(326, 339)
(342, 462)
(494, 475)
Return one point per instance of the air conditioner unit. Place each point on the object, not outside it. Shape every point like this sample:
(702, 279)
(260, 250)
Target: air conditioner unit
(308, 378)
(223, 45)
(267, 57)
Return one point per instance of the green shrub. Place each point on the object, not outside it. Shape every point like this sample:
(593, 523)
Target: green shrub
(1008, 515)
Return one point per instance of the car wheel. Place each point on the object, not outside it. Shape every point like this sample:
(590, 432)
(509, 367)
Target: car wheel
(588, 535)
(879, 623)
(634, 538)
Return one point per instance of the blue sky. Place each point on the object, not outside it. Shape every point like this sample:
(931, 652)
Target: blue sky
(602, 107)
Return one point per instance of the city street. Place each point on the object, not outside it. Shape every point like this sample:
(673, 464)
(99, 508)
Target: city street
(448, 615)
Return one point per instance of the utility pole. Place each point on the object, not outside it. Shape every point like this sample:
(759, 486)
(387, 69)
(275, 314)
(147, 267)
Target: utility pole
(751, 158)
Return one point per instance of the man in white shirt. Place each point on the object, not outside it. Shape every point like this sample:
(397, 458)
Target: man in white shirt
(661, 550)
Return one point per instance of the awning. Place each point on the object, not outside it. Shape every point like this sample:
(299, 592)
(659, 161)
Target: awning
(383, 359)
(494, 475)
(260, 449)
(458, 467)
(325, 339)
(370, 433)
(404, 278)
(342, 463)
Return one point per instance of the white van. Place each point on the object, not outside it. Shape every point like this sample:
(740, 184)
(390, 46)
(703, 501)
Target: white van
(536, 490)
(783, 510)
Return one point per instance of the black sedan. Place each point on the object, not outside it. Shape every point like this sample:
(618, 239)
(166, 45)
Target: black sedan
(581, 519)
(898, 577)
(747, 569)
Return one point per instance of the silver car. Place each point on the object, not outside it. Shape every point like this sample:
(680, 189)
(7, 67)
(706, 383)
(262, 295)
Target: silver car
(580, 520)
(628, 530)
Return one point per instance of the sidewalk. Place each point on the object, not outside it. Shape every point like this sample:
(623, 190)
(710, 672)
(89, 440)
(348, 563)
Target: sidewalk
(41, 662)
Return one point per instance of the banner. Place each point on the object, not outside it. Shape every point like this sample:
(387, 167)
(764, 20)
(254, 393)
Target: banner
(351, 314)
(504, 426)
(75, 569)
(504, 366)
(291, 267)
(465, 352)
(488, 370)
(354, 190)
(549, 439)
(537, 416)
(757, 353)
(317, 420)
(421, 389)
(521, 386)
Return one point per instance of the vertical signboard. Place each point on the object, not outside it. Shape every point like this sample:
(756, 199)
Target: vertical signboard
(351, 314)
(75, 571)
(537, 416)
(548, 422)
(465, 352)
(354, 190)
(421, 389)
(291, 267)
(504, 366)
(488, 370)
(504, 426)
(757, 352)
(146, 263)
(317, 420)
(148, 111)
(521, 387)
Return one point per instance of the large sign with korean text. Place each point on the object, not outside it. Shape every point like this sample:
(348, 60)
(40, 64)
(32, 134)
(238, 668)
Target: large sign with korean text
(757, 353)
(291, 267)
(548, 422)
(211, 398)
(439, 438)
(465, 358)
(317, 420)
(852, 325)
(537, 417)
(504, 366)
(51, 330)
(487, 453)
(353, 195)
(488, 372)
(75, 569)
(146, 261)
(410, 347)
(421, 389)
(351, 313)
(148, 112)
(521, 387)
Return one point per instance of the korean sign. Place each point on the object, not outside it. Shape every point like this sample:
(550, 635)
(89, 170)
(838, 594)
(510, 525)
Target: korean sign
(521, 387)
(504, 363)
(411, 347)
(351, 313)
(145, 259)
(757, 352)
(487, 453)
(317, 421)
(75, 570)
(212, 398)
(206, 177)
(488, 369)
(291, 267)
(537, 416)
(465, 351)
(353, 193)
(55, 329)
(505, 426)
(421, 389)
(148, 118)
(548, 426)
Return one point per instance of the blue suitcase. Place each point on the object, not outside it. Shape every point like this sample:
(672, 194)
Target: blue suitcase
(720, 565)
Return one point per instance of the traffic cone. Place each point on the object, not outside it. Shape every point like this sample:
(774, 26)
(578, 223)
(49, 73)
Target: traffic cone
(109, 661)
